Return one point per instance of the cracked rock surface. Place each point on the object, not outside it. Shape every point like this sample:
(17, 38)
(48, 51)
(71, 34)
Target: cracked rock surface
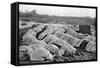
(55, 43)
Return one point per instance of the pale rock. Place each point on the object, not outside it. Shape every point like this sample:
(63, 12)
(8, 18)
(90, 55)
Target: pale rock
(49, 30)
(91, 46)
(68, 38)
(54, 49)
(39, 55)
(29, 37)
(37, 44)
(64, 45)
(24, 50)
(90, 38)
(39, 28)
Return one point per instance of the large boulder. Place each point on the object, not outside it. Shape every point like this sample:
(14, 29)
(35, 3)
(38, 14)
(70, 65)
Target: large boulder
(39, 28)
(90, 38)
(73, 33)
(29, 37)
(48, 30)
(68, 38)
(52, 39)
(60, 29)
(40, 54)
(91, 46)
(53, 49)
(24, 51)
(37, 44)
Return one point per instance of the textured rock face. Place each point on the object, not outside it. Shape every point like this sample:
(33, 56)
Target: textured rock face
(68, 38)
(37, 44)
(90, 38)
(60, 43)
(54, 50)
(24, 51)
(91, 46)
(39, 28)
(29, 37)
(73, 33)
(40, 54)
(47, 30)
(46, 41)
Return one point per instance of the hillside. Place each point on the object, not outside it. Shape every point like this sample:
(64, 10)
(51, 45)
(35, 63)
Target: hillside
(34, 16)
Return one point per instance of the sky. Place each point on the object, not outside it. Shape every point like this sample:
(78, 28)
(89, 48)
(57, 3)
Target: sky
(59, 11)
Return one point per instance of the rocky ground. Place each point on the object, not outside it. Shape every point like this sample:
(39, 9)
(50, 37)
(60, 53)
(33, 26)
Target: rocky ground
(54, 43)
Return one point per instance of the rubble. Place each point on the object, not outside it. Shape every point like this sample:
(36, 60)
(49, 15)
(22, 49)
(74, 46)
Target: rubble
(46, 41)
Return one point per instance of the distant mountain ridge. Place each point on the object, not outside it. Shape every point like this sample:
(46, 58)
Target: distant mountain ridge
(34, 16)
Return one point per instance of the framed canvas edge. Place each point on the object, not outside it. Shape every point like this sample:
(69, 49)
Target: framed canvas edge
(59, 5)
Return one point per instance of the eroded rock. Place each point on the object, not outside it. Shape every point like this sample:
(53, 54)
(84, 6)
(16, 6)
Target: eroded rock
(40, 54)
(29, 37)
(60, 43)
(37, 44)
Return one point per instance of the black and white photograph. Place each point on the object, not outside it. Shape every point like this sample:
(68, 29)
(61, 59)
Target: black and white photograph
(54, 34)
